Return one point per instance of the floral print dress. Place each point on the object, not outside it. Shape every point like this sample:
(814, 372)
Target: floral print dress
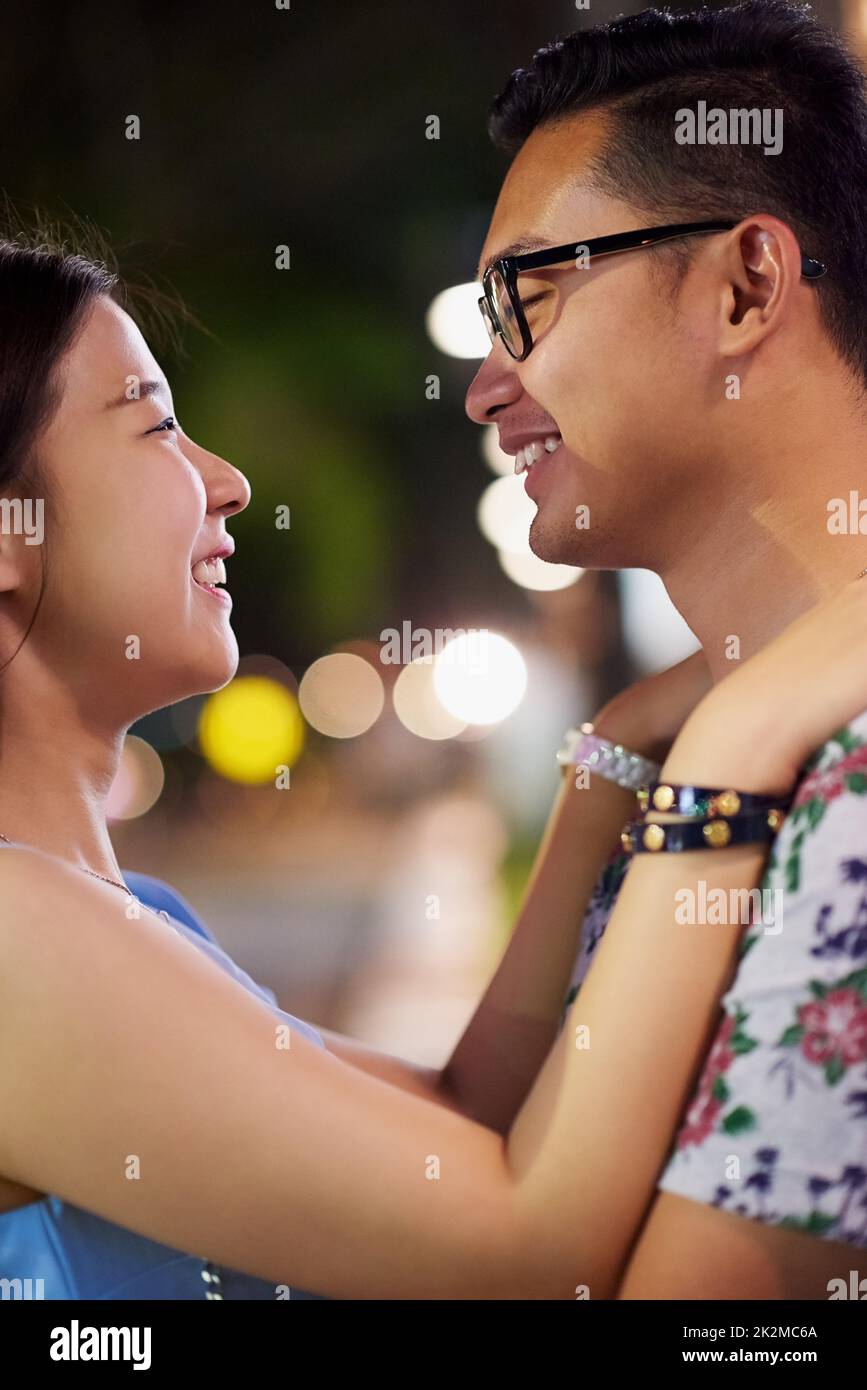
(776, 1130)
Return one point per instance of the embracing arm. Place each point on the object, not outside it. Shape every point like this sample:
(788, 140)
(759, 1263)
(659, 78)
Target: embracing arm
(120, 1039)
(492, 1067)
(511, 1031)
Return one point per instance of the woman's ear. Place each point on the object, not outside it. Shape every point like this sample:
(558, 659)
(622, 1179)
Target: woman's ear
(22, 528)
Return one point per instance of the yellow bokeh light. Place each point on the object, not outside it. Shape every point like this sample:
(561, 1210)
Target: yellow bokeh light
(251, 728)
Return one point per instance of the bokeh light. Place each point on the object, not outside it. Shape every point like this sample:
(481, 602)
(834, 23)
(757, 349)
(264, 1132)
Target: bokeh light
(341, 695)
(654, 633)
(139, 780)
(504, 515)
(263, 664)
(454, 323)
(417, 705)
(250, 728)
(174, 726)
(479, 681)
(532, 573)
(498, 461)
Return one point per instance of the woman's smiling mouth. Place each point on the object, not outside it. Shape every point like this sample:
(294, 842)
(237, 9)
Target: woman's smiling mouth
(207, 574)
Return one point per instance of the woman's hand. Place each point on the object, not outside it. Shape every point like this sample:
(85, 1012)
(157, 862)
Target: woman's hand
(647, 716)
(760, 724)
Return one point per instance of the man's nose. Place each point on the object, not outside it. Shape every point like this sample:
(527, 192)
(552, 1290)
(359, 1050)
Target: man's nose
(494, 386)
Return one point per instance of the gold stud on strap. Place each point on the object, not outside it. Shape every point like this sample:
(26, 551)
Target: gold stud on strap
(653, 837)
(728, 803)
(717, 833)
(663, 798)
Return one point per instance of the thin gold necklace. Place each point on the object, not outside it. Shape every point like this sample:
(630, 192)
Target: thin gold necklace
(115, 883)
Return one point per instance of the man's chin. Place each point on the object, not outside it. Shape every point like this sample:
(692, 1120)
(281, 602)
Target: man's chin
(555, 544)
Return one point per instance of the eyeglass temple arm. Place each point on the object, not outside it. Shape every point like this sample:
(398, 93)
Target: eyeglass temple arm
(811, 268)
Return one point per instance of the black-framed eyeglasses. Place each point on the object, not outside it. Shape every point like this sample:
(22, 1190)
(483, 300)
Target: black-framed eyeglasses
(505, 312)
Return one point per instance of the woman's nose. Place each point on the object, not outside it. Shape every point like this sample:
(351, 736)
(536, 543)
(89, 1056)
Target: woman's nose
(227, 488)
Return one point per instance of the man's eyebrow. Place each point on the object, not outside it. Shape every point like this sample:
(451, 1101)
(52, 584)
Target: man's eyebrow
(142, 391)
(516, 248)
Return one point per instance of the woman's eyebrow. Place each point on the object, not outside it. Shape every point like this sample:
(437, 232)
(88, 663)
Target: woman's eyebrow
(142, 391)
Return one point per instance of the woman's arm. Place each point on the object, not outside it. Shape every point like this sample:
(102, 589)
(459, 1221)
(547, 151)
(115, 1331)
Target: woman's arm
(588, 1145)
(511, 1032)
(140, 1082)
(120, 1042)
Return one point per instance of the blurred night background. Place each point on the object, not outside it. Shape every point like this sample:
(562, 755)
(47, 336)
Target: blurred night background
(375, 892)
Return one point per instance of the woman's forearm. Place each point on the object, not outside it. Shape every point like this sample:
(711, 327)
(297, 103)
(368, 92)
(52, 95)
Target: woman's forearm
(587, 1145)
(514, 1026)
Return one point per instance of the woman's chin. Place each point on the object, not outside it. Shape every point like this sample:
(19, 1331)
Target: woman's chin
(221, 673)
(210, 669)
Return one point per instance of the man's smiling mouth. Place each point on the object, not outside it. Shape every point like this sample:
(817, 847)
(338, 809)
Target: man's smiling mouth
(530, 453)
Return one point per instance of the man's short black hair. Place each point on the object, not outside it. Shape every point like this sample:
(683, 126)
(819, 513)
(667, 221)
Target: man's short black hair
(765, 54)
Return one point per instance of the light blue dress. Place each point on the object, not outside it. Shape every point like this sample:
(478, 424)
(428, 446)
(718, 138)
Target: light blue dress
(77, 1255)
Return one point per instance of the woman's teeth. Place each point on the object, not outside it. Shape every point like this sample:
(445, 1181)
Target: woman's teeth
(209, 572)
(526, 457)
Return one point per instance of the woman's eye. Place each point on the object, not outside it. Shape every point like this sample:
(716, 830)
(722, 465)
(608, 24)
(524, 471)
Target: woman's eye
(165, 426)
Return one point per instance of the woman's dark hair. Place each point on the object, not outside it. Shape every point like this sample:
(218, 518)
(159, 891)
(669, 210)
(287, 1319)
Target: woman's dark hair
(51, 274)
(764, 54)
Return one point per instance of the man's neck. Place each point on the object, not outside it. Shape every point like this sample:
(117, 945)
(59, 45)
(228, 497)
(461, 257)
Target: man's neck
(773, 548)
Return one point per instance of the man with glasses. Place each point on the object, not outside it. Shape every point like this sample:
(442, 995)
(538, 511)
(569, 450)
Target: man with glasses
(503, 302)
(679, 366)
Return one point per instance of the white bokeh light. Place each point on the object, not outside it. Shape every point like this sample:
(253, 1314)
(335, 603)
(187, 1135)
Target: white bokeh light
(654, 633)
(480, 677)
(532, 573)
(454, 323)
(418, 706)
(505, 513)
(341, 695)
(498, 461)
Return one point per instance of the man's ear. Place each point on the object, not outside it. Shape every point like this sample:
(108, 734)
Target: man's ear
(762, 269)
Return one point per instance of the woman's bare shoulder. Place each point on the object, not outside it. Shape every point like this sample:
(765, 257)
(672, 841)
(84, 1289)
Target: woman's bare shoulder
(39, 889)
(25, 863)
(29, 880)
(127, 1053)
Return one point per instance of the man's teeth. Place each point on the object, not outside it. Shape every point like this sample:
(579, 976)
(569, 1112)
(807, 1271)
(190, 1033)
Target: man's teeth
(526, 457)
(209, 572)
